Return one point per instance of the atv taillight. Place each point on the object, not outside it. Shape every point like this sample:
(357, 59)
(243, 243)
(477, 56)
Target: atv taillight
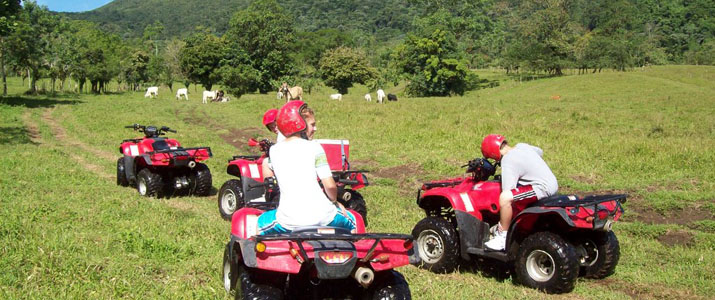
(407, 245)
(336, 257)
(602, 214)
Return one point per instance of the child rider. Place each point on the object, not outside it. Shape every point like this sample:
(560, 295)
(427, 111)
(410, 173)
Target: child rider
(296, 162)
(524, 177)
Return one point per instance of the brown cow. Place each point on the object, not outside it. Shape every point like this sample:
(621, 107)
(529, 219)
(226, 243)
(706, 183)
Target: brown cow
(293, 93)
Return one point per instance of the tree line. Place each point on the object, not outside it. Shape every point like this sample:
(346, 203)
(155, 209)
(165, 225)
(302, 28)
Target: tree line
(261, 46)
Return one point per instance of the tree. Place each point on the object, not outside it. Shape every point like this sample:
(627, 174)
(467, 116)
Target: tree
(152, 33)
(264, 31)
(433, 66)
(173, 63)
(341, 67)
(201, 57)
(8, 16)
(135, 69)
(29, 42)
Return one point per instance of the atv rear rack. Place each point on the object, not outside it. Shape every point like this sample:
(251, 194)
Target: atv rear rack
(208, 149)
(299, 238)
(248, 157)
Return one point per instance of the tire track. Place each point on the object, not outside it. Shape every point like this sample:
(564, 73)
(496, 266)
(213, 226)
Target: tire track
(64, 144)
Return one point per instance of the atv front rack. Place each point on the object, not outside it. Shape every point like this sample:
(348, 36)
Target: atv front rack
(247, 157)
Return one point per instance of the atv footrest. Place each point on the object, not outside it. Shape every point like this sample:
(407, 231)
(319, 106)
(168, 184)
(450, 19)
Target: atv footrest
(498, 255)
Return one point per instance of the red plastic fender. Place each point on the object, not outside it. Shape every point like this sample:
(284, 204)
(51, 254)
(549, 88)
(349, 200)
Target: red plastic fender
(244, 223)
(249, 168)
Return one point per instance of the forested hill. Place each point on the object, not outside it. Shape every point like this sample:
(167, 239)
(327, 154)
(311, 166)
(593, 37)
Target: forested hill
(129, 18)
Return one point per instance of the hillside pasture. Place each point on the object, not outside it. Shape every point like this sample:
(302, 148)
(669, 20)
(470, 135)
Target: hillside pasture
(68, 231)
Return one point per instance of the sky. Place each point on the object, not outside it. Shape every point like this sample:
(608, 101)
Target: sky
(72, 5)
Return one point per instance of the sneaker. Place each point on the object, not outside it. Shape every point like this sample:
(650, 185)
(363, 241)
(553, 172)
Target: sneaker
(498, 243)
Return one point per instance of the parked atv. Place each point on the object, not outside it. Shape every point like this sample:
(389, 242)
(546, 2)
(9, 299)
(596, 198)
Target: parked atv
(550, 242)
(314, 262)
(159, 166)
(235, 193)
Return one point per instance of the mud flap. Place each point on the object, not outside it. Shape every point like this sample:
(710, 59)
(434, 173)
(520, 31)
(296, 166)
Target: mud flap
(129, 169)
(472, 233)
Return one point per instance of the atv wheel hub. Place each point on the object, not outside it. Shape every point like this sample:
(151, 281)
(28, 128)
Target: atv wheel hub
(227, 275)
(431, 246)
(228, 201)
(141, 185)
(540, 265)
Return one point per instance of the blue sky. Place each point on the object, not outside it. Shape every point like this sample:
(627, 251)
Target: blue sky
(72, 5)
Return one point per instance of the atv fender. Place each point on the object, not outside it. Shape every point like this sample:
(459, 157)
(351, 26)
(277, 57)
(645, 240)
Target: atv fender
(473, 233)
(129, 170)
(441, 197)
(245, 168)
(248, 252)
(528, 221)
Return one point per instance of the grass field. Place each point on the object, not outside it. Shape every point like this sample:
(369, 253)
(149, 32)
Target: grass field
(68, 231)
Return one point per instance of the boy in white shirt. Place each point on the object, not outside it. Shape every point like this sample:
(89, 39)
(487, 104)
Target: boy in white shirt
(296, 162)
(524, 177)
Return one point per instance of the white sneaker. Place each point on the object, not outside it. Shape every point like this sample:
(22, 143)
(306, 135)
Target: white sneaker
(498, 242)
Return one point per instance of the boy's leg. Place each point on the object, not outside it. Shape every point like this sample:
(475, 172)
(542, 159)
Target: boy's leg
(340, 220)
(267, 224)
(506, 198)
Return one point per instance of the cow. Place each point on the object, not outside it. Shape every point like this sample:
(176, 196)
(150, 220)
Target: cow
(279, 95)
(391, 97)
(380, 96)
(208, 95)
(220, 97)
(292, 93)
(336, 97)
(152, 91)
(368, 98)
(182, 92)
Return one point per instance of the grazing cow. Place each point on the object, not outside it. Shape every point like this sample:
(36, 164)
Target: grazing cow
(279, 95)
(152, 91)
(368, 98)
(336, 97)
(208, 95)
(293, 93)
(391, 97)
(182, 92)
(380, 96)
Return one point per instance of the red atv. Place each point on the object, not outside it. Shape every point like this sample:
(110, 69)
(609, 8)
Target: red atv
(314, 262)
(159, 166)
(235, 193)
(550, 242)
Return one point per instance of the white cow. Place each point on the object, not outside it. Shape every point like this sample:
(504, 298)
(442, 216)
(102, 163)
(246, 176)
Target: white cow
(279, 95)
(380, 96)
(336, 97)
(182, 92)
(368, 98)
(152, 91)
(208, 95)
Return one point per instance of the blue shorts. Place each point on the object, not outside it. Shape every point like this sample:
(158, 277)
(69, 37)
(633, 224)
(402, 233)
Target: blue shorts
(267, 223)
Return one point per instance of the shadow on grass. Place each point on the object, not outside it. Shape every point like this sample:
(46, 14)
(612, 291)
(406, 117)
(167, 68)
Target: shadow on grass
(15, 136)
(489, 268)
(35, 102)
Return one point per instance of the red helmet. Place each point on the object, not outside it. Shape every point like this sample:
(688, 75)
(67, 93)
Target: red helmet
(270, 116)
(289, 120)
(491, 146)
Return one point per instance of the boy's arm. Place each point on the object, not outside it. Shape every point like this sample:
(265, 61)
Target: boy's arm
(266, 166)
(331, 189)
(322, 169)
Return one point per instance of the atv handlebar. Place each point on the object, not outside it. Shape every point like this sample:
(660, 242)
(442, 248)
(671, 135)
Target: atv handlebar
(155, 132)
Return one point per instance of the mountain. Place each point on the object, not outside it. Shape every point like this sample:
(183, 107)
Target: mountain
(383, 19)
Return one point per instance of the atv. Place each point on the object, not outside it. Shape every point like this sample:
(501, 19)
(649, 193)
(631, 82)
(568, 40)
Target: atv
(549, 244)
(314, 262)
(159, 166)
(235, 193)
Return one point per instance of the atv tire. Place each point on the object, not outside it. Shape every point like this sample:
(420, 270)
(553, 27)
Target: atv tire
(121, 173)
(390, 285)
(602, 253)
(149, 184)
(547, 262)
(257, 284)
(230, 198)
(438, 244)
(356, 203)
(201, 179)
(230, 271)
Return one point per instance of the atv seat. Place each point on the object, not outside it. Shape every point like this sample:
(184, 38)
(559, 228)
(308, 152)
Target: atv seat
(322, 229)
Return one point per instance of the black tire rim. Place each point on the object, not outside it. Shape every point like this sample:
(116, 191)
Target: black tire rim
(540, 266)
(431, 246)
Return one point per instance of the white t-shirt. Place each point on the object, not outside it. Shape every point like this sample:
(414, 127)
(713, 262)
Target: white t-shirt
(280, 137)
(523, 165)
(297, 165)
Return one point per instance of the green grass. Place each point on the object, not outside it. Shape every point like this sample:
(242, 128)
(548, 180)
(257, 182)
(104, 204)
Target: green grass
(68, 231)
